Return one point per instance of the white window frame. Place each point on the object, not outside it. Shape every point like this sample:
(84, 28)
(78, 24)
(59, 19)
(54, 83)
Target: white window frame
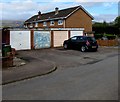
(36, 24)
(60, 22)
(25, 26)
(44, 23)
(31, 25)
(52, 23)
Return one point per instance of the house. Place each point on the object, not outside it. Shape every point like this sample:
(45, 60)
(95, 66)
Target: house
(51, 29)
(74, 18)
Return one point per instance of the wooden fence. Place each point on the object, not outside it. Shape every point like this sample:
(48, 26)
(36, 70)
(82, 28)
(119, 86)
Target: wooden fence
(108, 42)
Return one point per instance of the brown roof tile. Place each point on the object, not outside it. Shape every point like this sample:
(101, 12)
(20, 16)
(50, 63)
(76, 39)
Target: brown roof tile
(51, 15)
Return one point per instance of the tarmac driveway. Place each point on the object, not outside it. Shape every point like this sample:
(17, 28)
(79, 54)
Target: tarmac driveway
(45, 61)
(67, 58)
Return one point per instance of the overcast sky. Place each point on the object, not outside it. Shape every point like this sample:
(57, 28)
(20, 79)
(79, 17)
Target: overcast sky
(104, 10)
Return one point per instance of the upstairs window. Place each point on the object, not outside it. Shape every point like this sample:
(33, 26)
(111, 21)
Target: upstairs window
(44, 23)
(36, 24)
(31, 25)
(60, 22)
(25, 26)
(52, 23)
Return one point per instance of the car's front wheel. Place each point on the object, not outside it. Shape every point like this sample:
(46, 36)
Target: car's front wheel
(83, 49)
(65, 46)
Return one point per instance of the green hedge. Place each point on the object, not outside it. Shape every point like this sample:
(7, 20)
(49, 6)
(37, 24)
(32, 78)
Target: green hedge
(109, 36)
(98, 36)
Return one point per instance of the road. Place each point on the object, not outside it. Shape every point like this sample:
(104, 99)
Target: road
(98, 81)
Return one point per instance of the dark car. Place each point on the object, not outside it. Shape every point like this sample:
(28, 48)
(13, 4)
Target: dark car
(83, 43)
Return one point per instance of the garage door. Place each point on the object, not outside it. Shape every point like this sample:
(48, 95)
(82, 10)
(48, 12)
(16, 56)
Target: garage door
(76, 33)
(59, 37)
(42, 39)
(20, 40)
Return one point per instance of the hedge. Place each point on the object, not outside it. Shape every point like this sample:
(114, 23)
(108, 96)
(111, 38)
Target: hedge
(109, 36)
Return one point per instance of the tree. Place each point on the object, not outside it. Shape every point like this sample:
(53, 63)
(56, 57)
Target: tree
(117, 21)
(108, 28)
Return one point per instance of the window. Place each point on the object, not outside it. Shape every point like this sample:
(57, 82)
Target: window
(36, 24)
(81, 38)
(60, 22)
(31, 25)
(74, 38)
(44, 23)
(25, 26)
(91, 39)
(52, 23)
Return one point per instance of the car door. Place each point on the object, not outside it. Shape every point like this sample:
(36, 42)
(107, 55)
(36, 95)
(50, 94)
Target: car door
(73, 42)
(80, 41)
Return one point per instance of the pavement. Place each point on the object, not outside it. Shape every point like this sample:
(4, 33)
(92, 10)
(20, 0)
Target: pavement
(21, 70)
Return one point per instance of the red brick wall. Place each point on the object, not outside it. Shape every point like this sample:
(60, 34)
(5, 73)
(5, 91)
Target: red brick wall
(79, 20)
(107, 42)
(5, 36)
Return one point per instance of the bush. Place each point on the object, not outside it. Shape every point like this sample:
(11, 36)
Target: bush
(98, 36)
(109, 36)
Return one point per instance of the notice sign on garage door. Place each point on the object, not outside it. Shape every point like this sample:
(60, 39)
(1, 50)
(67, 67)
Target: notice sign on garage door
(42, 39)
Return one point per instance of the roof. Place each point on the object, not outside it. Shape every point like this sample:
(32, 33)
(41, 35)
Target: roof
(52, 16)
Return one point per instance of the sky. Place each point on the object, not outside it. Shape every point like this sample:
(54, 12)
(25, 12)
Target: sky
(101, 10)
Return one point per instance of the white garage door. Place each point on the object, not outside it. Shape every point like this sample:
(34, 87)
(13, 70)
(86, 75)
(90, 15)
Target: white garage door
(20, 40)
(76, 33)
(59, 37)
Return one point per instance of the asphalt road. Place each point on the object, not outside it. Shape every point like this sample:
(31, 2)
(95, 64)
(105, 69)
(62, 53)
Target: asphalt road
(98, 81)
